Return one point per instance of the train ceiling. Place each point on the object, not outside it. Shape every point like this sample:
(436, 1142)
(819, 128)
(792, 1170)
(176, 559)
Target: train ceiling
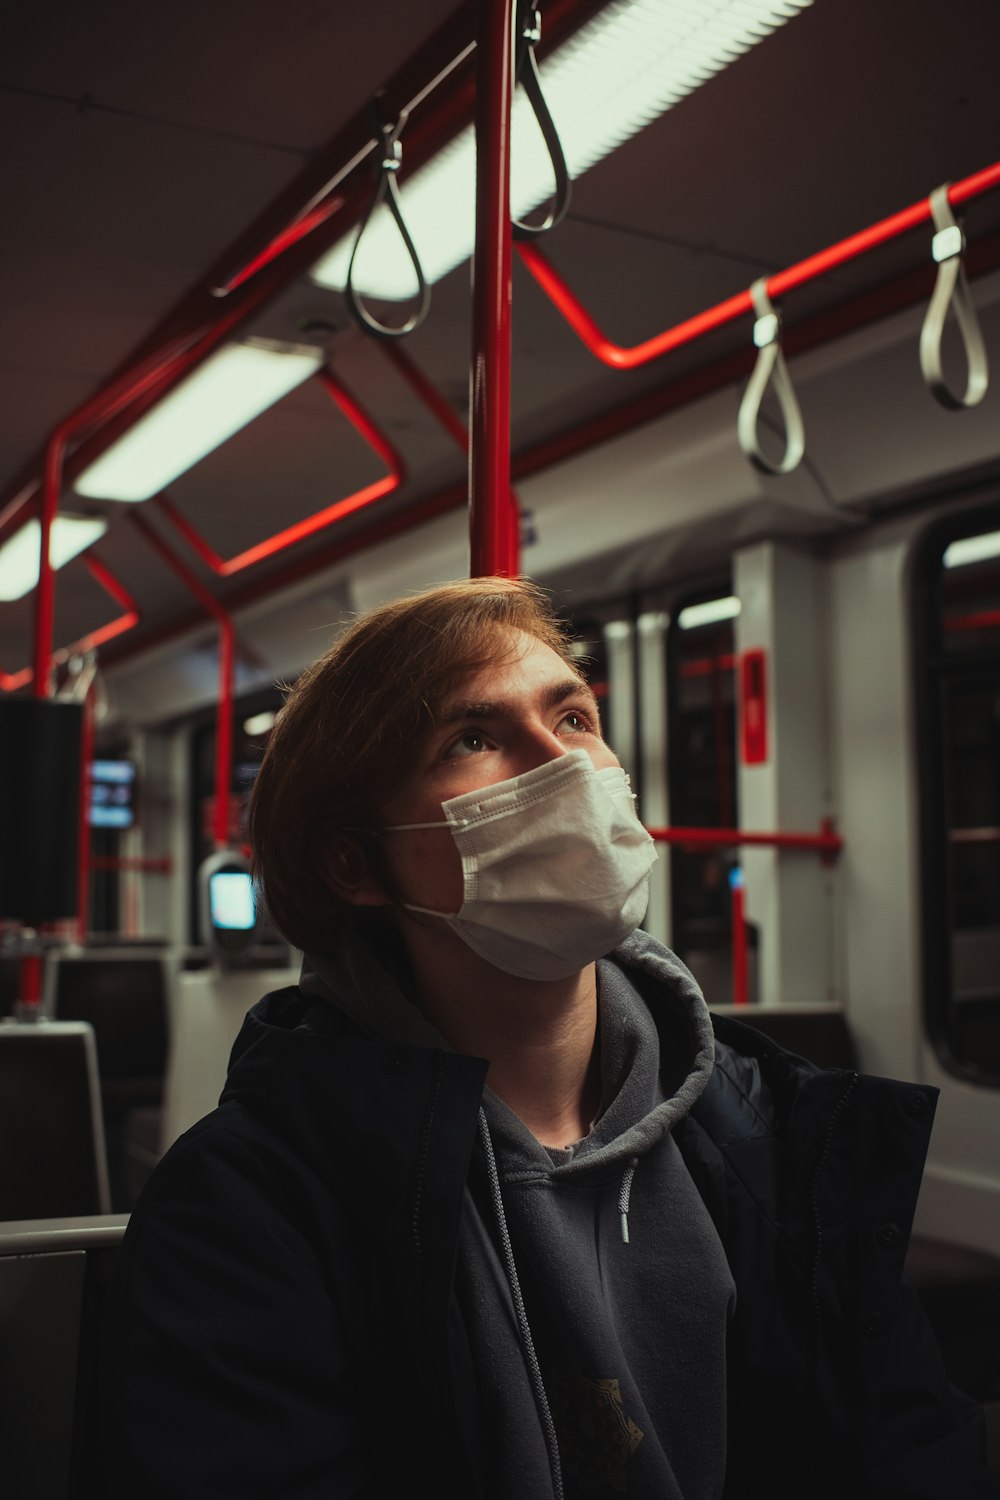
(150, 148)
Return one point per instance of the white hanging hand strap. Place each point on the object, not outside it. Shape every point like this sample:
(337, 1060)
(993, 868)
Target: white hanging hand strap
(951, 290)
(770, 369)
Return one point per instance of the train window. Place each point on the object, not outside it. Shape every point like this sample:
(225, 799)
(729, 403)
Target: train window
(702, 777)
(958, 635)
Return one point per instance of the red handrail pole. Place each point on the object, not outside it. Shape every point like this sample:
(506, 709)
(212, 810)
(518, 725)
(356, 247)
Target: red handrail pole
(224, 731)
(490, 539)
(224, 711)
(83, 841)
(740, 992)
(30, 980)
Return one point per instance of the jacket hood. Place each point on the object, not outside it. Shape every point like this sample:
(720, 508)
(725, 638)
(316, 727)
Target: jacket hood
(362, 989)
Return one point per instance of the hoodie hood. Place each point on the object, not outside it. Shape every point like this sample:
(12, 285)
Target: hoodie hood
(366, 981)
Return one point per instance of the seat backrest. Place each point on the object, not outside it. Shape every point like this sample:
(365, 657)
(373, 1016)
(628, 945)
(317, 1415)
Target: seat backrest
(207, 1011)
(124, 998)
(819, 1033)
(53, 1160)
(52, 1277)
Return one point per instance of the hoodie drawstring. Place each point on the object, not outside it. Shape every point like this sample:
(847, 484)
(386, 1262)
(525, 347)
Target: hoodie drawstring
(534, 1369)
(624, 1194)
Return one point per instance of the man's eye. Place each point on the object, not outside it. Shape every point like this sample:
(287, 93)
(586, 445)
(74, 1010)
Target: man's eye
(470, 742)
(576, 722)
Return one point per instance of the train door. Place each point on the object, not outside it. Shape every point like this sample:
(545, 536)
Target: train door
(959, 626)
(662, 663)
(702, 783)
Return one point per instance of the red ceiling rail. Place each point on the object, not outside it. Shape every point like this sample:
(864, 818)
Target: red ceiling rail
(621, 358)
(858, 311)
(227, 656)
(10, 682)
(362, 423)
(293, 231)
(492, 542)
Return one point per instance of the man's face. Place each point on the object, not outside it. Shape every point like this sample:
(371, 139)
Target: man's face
(498, 723)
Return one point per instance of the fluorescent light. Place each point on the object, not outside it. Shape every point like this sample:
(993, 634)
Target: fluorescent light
(972, 549)
(709, 613)
(225, 393)
(620, 71)
(20, 556)
(259, 723)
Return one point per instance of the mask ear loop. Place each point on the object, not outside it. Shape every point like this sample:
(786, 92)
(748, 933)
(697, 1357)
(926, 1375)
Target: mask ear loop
(389, 161)
(769, 369)
(951, 289)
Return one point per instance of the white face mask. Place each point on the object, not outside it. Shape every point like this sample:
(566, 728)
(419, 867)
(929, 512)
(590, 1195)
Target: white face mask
(556, 867)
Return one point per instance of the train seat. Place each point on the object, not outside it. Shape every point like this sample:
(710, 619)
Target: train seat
(53, 1277)
(818, 1032)
(123, 994)
(53, 1159)
(208, 1007)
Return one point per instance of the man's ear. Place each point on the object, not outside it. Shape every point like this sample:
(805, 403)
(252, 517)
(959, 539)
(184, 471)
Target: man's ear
(349, 872)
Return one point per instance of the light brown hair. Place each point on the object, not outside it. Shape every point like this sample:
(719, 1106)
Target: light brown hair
(347, 735)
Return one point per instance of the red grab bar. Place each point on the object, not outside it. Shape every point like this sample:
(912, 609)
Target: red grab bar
(359, 419)
(10, 682)
(826, 842)
(227, 641)
(622, 358)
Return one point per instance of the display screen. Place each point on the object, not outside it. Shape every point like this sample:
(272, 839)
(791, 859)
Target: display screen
(230, 895)
(112, 794)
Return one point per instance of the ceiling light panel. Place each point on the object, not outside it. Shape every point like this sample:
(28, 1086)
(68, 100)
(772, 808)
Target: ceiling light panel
(225, 393)
(621, 71)
(710, 613)
(20, 556)
(972, 549)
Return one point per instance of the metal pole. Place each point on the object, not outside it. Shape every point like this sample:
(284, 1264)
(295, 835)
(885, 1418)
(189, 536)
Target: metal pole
(227, 656)
(491, 540)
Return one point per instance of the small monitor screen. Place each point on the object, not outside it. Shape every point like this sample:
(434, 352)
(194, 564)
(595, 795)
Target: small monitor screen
(231, 900)
(112, 794)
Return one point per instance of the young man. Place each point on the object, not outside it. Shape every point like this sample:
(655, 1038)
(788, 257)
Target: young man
(486, 1209)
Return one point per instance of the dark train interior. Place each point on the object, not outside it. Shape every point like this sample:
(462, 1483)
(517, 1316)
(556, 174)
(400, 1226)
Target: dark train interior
(184, 184)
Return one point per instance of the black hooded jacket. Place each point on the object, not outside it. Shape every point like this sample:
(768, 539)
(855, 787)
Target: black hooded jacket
(284, 1319)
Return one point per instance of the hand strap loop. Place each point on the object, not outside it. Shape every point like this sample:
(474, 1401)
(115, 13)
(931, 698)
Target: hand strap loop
(951, 289)
(526, 73)
(769, 369)
(387, 164)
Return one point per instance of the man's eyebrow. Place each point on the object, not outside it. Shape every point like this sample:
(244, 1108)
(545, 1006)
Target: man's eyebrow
(505, 708)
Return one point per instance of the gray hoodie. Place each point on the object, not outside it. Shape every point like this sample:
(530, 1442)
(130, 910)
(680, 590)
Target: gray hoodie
(594, 1284)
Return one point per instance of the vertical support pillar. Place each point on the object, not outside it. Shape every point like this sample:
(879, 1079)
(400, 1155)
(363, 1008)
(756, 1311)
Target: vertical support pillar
(492, 534)
(788, 895)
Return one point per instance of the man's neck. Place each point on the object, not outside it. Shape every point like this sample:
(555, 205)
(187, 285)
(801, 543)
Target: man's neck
(539, 1036)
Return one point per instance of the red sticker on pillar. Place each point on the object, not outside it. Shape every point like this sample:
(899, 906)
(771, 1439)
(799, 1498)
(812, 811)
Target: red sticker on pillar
(753, 708)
